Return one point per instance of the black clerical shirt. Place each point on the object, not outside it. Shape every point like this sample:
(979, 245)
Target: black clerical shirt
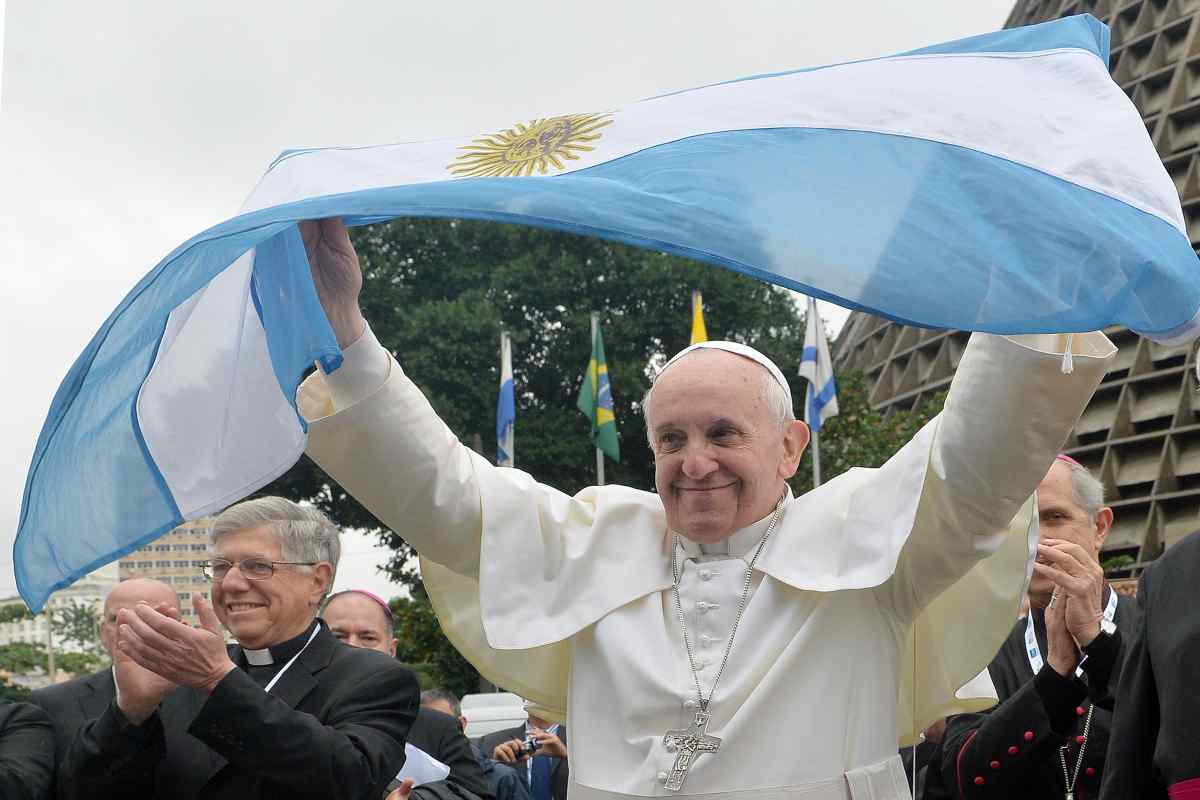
(263, 665)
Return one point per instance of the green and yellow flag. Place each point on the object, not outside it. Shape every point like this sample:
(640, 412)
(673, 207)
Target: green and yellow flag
(595, 401)
(699, 332)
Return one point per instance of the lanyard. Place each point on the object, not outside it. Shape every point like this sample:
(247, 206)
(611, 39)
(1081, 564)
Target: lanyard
(1031, 645)
(279, 674)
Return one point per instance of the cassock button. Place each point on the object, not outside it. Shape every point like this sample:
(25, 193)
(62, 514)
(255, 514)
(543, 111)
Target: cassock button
(706, 574)
(1079, 712)
(1090, 771)
(995, 765)
(1012, 751)
(662, 777)
(979, 780)
(1029, 736)
(1080, 739)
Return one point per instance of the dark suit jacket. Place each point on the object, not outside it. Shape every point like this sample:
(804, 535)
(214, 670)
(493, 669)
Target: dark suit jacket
(439, 735)
(26, 752)
(1155, 740)
(334, 726)
(559, 772)
(1012, 750)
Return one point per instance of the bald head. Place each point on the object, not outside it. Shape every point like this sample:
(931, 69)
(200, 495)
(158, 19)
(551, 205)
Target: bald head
(360, 621)
(128, 594)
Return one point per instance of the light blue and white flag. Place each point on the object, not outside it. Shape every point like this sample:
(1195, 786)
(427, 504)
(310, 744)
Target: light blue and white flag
(820, 398)
(1000, 183)
(506, 406)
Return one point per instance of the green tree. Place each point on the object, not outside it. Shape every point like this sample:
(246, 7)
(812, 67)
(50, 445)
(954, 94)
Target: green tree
(14, 612)
(79, 623)
(424, 648)
(860, 436)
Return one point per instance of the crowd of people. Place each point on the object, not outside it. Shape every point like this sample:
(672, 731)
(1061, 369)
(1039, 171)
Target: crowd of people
(717, 638)
(309, 701)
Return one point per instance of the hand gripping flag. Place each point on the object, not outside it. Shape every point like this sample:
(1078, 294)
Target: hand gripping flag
(820, 397)
(999, 183)
(506, 406)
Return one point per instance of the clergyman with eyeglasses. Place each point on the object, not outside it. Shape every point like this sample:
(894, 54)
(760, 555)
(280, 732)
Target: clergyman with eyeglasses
(287, 711)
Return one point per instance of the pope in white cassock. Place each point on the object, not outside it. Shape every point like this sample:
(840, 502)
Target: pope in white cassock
(720, 638)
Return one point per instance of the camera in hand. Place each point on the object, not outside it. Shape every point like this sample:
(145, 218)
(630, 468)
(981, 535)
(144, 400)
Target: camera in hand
(528, 747)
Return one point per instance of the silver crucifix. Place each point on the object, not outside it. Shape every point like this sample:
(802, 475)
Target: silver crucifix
(689, 743)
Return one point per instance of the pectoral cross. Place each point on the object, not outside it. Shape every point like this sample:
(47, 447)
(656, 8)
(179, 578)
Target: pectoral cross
(689, 743)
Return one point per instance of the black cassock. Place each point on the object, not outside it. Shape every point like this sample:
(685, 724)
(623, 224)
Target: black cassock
(1155, 742)
(26, 752)
(1013, 749)
(333, 726)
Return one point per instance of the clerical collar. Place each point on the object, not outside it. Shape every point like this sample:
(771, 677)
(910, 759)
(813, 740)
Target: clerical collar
(279, 653)
(740, 545)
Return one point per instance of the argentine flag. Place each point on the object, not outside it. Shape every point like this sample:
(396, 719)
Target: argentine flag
(506, 406)
(1000, 183)
(820, 398)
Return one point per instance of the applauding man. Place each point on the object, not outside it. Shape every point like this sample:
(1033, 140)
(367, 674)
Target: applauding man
(286, 712)
(1056, 671)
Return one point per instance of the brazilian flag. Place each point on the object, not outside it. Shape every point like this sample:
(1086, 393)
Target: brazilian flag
(595, 401)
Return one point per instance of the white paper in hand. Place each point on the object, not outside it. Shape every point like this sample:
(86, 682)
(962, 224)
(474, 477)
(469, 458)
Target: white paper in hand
(421, 767)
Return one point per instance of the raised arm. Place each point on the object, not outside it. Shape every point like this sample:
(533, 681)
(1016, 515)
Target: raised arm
(1009, 410)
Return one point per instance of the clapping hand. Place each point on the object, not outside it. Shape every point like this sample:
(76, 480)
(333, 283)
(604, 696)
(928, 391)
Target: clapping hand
(401, 792)
(139, 690)
(1080, 582)
(174, 651)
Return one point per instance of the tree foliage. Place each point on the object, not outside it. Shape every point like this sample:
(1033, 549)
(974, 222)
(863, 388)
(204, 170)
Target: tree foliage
(79, 623)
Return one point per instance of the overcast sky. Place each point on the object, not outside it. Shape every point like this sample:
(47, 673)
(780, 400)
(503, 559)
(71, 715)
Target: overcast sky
(127, 127)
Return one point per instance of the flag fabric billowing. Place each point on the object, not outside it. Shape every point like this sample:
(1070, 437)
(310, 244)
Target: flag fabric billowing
(506, 407)
(820, 397)
(699, 332)
(595, 401)
(892, 185)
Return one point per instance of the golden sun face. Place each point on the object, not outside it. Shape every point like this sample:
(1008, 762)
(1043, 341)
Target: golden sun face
(538, 146)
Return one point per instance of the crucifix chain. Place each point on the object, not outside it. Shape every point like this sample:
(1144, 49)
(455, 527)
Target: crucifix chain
(694, 740)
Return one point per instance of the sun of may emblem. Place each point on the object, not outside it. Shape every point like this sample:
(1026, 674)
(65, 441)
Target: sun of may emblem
(538, 146)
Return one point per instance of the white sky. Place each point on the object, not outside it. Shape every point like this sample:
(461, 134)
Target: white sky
(127, 127)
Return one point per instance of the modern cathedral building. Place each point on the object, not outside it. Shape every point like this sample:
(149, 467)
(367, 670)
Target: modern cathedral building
(1141, 433)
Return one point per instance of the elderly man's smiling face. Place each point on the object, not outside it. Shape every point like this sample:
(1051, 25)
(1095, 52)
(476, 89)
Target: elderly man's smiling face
(260, 613)
(721, 455)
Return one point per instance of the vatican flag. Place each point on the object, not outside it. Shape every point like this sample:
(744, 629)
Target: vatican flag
(699, 332)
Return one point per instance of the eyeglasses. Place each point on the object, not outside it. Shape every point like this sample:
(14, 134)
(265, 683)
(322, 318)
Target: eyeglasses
(252, 569)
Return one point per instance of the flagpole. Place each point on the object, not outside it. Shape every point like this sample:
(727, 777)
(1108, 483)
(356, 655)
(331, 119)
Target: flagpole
(599, 452)
(816, 451)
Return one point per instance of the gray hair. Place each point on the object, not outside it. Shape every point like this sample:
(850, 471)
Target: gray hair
(304, 533)
(770, 392)
(433, 695)
(1087, 489)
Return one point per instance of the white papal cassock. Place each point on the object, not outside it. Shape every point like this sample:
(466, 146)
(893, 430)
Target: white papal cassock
(566, 599)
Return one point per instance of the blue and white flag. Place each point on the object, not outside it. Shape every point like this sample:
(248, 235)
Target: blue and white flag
(506, 406)
(999, 183)
(820, 398)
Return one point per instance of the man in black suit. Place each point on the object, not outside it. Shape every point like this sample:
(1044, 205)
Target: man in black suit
(1154, 751)
(26, 752)
(84, 698)
(287, 712)
(361, 619)
(1054, 675)
(545, 772)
